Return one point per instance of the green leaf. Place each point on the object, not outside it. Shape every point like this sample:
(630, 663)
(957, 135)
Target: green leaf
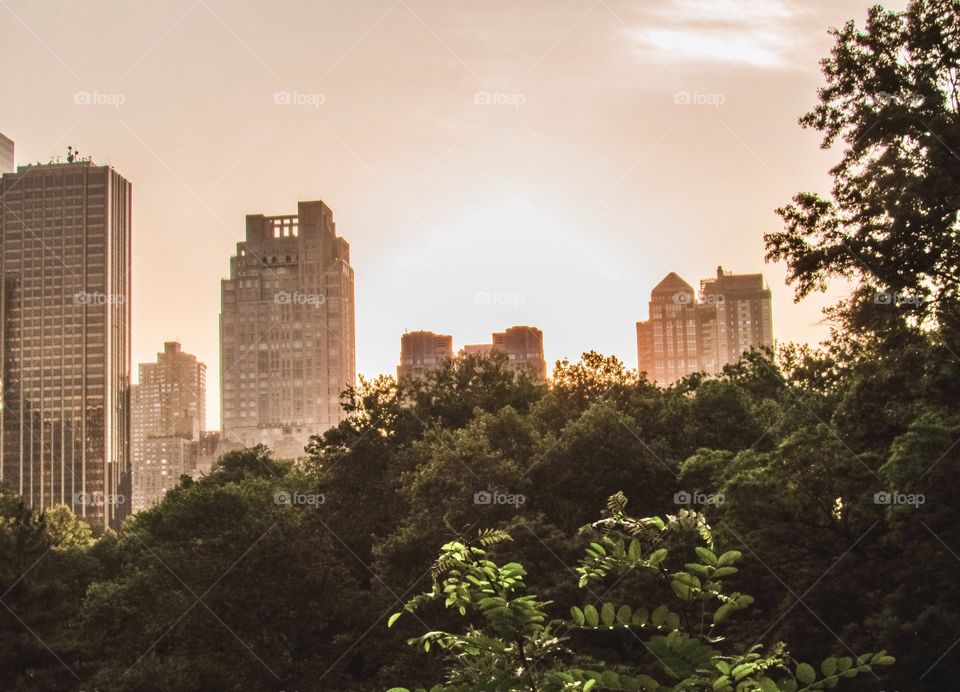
(645, 682)
(608, 614)
(394, 618)
(589, 685)
(681, 589)
(697, 568)
(723, 612)
(829, 666)
(659, 615)
(806, 674)
(624, 613)
(656, 557)
(610, 679)
(706, 555)
(768, 685)
(728, 558)
(591, 615)
(577, 616)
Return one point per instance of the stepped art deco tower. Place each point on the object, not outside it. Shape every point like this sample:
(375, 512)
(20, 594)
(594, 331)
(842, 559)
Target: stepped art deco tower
(286, 331)
(65, 232)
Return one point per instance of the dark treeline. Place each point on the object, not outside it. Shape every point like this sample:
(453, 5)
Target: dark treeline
(828, 476)
(222, 586)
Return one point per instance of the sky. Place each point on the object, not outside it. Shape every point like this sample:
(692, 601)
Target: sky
(491, 164)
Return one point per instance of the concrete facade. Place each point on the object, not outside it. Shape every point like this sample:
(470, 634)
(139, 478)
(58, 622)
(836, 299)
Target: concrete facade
(286, 331)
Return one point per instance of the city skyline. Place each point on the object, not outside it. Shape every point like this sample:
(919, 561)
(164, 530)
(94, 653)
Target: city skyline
(456, 174)
(425, 345)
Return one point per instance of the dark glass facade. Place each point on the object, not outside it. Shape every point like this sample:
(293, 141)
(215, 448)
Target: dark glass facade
(65, 233)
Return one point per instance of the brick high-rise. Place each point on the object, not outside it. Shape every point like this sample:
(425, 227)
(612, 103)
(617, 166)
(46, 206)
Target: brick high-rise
(522, 345)
(168, 419)
(65, 316)
(286, 331)
(421, 352)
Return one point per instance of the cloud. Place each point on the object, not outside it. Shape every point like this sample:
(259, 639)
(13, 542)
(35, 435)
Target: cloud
(755, 33)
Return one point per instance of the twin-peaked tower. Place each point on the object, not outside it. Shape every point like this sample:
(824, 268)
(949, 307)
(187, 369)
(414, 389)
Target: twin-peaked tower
(683, 336)
(286, 331)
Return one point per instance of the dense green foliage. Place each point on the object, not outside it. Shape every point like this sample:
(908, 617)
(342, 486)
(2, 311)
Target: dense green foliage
(515, 647)
(226, 584)
(830, 478)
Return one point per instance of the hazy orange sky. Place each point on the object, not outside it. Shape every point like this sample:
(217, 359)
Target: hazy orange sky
(537, 152)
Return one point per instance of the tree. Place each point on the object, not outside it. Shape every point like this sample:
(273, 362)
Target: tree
(229, 583)
(65, 530)
(891, 222)
(512, 643)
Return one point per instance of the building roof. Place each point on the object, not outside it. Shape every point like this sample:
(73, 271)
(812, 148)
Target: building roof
(672, 283)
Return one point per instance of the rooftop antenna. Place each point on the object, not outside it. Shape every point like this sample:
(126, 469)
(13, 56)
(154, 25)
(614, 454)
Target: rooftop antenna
(71, 154)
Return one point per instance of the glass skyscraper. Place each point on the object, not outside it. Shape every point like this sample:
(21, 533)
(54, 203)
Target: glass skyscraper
(65, 233)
